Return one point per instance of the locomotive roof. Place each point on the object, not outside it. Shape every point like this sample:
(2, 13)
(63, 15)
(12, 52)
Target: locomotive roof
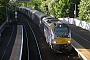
(21, 7)
(33, 11)
(40, 14)
(53, 21)
(28, 9)
(49, 17)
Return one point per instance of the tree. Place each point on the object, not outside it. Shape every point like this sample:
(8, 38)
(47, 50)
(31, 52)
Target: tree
(3, 4)
(58, 8)
(62, 8)
(84, 10)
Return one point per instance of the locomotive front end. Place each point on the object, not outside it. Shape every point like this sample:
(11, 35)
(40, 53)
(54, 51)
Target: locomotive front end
(61, 41)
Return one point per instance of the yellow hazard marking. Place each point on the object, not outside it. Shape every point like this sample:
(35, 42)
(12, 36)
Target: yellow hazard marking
(62, 40)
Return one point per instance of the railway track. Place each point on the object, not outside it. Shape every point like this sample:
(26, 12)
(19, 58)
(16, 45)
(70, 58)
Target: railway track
(33, 51)
(35, 46)
(68, 56)
(7, 41)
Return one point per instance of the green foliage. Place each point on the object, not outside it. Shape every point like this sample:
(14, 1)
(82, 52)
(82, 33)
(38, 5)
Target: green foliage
(58, 8)
(84, 10)
(62, 8)
(2, 15)
(2, 18)
(3, 4)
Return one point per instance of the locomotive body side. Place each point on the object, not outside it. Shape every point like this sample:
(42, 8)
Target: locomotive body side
(38, 17)
(58, 35)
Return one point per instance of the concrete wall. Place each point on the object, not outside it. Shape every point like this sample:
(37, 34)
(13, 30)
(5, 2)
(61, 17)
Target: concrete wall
(80, 23)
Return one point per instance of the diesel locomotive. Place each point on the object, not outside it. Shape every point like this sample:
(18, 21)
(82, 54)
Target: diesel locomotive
(57, 34)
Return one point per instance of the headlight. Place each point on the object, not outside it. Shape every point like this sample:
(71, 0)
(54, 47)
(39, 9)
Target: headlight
(69, 42)
(54, 42)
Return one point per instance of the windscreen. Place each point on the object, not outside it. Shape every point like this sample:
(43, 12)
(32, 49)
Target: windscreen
(61, 30)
